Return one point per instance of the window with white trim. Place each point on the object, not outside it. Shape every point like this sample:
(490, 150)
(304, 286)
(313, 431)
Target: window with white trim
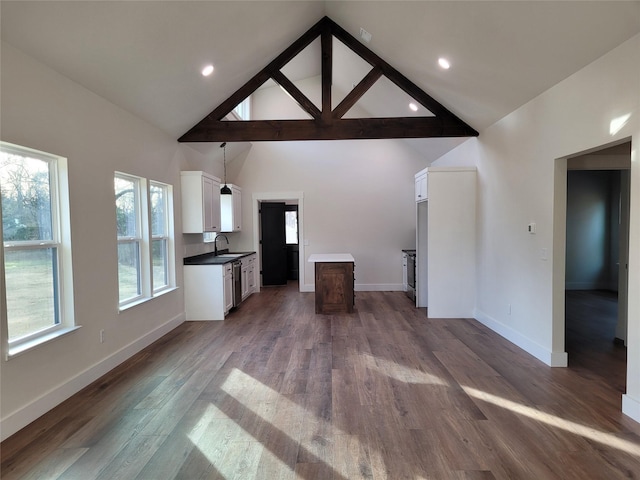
(130, 237)
(144, 218)
(37, 269)
(160, 195)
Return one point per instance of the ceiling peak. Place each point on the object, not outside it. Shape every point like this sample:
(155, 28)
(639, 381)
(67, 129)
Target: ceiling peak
(327, 123)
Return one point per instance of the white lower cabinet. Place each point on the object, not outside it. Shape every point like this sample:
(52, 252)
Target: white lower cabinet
(253, 269)
(248, 275)
(208, 291)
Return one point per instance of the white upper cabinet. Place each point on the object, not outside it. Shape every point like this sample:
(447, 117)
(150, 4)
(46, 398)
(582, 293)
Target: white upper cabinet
(421, 186)
(200, 202)
(231, 210)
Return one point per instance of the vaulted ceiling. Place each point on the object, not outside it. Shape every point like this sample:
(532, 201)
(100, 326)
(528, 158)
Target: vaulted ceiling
(146, 56)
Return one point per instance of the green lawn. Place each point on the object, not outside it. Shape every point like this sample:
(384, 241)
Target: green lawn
(30, 303)
(30, 289)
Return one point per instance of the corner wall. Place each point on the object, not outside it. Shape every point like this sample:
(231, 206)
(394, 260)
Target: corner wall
(46, 111)
(520, 171)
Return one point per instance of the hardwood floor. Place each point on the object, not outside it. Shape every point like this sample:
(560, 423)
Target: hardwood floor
(591, 317)
(277, 392)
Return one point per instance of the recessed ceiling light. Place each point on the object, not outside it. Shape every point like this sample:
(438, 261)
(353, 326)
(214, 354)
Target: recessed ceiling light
(413, 107)
(444, 63)
(208, 70)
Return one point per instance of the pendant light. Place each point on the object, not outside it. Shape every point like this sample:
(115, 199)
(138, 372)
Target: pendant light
(225, 190)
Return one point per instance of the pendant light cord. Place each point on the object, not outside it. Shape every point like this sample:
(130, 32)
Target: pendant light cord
(225, 190)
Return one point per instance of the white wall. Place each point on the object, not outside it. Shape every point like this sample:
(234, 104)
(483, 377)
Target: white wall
(358, 199)
(522, 179)
(358, 194)
(45, 111)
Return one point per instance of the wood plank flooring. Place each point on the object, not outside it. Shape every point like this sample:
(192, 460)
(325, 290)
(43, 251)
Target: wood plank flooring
(277, 392)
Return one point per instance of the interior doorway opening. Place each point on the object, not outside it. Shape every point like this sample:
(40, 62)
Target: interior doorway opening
(279, 242)
(281, 223)
(596, 262)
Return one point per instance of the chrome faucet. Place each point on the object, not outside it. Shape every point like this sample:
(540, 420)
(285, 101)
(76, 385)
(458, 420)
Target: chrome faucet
(215, 243)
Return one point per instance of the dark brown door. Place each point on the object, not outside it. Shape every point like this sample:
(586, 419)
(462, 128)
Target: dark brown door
(274, 247)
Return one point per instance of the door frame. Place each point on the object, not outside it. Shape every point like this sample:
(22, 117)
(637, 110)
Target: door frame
(257, 199)
(559, 356)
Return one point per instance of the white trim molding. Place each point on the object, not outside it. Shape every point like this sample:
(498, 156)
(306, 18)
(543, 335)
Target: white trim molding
(553, 359)
(35, 409)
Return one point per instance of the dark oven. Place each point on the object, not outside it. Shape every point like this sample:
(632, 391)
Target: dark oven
(411, 275)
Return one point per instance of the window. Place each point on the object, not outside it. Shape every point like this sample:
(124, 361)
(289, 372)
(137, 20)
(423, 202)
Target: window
(36, 246)
(161, 244)
(130, 240)
(243, 109)
(145, 261)
(291, 224)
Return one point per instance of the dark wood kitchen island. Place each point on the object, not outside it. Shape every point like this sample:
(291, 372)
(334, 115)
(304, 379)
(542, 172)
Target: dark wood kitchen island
(334, 275)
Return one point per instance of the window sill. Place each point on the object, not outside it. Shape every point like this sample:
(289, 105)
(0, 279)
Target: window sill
(36, 342)
(140, 301)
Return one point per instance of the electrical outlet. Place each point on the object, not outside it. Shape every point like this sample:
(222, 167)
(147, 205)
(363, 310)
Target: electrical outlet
(508, 309)
(101, 336)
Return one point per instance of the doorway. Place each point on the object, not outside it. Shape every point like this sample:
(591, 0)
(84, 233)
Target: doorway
(290, 226)
(272, 243)
(596, 253)
(279, 241)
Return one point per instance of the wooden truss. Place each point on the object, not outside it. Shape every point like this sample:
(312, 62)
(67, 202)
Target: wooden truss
(328, 124)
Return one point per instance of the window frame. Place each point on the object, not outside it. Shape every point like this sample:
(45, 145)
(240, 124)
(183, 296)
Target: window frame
(60, 244)
(167, 237)
(294, 209)
(138, 239)
(144, 240)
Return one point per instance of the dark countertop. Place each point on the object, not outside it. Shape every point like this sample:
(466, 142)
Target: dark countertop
(410, 252)
(212, 259)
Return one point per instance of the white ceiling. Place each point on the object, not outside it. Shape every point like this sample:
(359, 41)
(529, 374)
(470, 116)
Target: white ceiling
(146, 56)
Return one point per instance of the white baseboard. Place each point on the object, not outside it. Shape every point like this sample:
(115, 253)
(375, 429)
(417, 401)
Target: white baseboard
(30, 412)
(631, 407)
(553, 359)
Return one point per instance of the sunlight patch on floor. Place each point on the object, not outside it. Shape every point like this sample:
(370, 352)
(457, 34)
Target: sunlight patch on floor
(214, 433)
(402, 373)
(604, 438)
(286, 416)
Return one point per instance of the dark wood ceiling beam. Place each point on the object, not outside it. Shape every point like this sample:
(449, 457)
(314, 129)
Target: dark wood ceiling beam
(342, 129)
(358, 91)
(392, 74)
(327, 71)
(304, 102)
(328, 125)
